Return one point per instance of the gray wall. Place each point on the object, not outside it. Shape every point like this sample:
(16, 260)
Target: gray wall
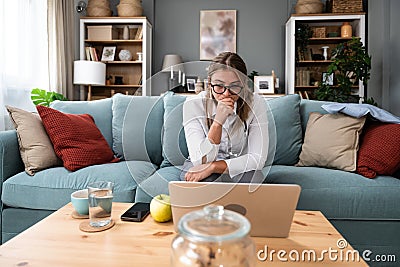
(261, 37)
(394, 50)
(260, 31)
(383, 45)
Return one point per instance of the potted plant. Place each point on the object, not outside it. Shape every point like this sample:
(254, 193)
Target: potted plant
(44, 98)
(108, 80)
(303, 35)
(350, 64)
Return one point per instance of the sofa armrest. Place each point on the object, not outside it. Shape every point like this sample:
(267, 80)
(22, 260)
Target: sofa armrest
(10, 158)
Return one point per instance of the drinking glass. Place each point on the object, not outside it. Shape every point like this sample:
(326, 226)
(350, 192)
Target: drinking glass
(100, 203)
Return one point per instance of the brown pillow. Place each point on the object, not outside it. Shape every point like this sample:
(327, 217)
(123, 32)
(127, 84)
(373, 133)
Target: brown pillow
(331, 141)
(36, 149)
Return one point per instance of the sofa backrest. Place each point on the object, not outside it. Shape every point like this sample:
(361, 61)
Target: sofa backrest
(285, 125)
(100, 111)
(132, 125)
(308, 106)
(137, 123)
(286, 115)
(150, 128)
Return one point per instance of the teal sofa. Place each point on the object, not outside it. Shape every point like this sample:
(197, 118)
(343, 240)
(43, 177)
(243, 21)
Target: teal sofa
(146, 132)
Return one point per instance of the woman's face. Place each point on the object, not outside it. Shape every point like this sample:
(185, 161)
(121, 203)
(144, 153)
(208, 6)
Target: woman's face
(223, 78)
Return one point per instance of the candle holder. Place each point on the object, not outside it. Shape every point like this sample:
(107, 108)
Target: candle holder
(325, 52)
(172, 64)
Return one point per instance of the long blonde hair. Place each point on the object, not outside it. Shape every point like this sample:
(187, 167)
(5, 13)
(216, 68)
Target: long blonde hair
(230, 61)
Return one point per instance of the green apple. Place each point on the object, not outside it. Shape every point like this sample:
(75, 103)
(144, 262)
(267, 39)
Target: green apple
(160, 208)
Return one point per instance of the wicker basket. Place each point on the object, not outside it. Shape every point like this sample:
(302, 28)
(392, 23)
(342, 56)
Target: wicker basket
(128, 10)
(102, 3)
(98, 8)
(98, 11)
(309, 7)
(345, 6)
(132, 2)
(319, 32)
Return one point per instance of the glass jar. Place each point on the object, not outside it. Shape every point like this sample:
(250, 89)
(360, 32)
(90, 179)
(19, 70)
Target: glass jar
(346, 30)
(213, 237)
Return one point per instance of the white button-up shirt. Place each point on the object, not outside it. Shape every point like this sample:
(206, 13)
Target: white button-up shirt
(243, 148)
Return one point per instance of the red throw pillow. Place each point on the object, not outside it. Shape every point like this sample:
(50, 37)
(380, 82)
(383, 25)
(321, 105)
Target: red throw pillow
(379, 152)
(76, 139)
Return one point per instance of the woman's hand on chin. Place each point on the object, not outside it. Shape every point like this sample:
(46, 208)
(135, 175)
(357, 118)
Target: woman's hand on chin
(199, 172)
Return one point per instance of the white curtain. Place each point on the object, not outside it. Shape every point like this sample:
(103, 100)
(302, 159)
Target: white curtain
(61, 46)
(23, 53)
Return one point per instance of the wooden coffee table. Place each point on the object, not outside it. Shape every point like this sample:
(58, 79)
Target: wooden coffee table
(57, 241)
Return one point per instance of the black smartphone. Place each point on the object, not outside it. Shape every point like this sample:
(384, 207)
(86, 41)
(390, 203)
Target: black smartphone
(137, 212)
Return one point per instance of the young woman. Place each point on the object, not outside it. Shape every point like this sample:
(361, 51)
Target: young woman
(226, 126)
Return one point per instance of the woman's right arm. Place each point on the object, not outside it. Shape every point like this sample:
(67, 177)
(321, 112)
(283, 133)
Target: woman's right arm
(202, 148)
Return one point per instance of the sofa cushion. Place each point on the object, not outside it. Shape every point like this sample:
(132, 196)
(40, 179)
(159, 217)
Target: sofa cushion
(35, 146)
(379, 150)
(331, 141)
(50, 189)
(286, 113)
(100, 110)
(76, 139)
(175, 150)
(157, 183)
(137, 127)
(339, 194)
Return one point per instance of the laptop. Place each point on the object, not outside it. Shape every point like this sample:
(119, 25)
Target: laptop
(268, 207)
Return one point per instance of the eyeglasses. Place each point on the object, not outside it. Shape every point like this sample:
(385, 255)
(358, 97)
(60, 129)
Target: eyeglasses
(234, 89)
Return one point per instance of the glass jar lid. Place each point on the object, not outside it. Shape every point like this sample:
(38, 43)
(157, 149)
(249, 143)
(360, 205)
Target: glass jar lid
(213, 224)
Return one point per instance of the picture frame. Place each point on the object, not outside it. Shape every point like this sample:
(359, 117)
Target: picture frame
(264, 84)
(108, 53)
(191, 84)
(327, 79)
(217, 32)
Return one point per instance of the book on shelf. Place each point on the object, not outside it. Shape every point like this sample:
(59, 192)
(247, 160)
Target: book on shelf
(87, 50)
(139, 33)
(91, 53)
(302, 77)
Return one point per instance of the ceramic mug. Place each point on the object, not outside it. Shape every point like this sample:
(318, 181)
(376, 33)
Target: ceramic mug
(79, 200)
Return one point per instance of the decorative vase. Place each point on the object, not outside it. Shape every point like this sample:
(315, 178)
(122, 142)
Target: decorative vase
(125, 55)
(346, 30)
(125, 33)
(325, 52)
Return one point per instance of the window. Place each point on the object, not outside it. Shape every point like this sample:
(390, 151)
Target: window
(23, 52)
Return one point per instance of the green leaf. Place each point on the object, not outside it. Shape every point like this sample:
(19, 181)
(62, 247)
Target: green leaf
(44, 98)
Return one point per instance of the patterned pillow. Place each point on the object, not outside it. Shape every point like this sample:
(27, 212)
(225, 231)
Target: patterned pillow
(76, 139)
(379, 152)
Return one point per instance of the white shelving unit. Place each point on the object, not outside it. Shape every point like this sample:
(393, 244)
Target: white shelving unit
(318, 20)
(134, 72)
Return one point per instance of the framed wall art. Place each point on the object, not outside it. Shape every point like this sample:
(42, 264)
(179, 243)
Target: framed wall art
(327, 79)
(217, 32)
(264, 84)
